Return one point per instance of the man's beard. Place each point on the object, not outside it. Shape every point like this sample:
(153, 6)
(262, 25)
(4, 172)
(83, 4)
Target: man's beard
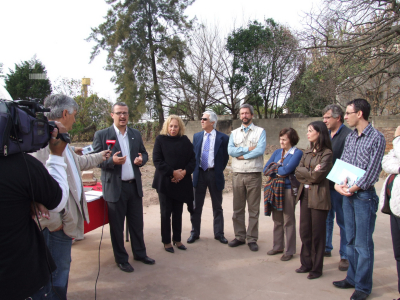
(246, 122)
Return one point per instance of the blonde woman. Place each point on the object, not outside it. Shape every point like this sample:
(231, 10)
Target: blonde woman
(174, 159)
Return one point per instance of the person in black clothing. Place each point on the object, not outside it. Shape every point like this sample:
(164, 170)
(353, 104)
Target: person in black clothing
(174, 159)
(333, 118)
(23, 267)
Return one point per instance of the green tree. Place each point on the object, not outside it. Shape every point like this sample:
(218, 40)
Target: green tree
(314, 87)
(93, 114)
(219, 109)
(137, 34)
(266, 58)
(28, 81)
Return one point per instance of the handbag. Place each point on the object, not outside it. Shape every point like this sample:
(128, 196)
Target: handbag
(388, 191)
(294, 184)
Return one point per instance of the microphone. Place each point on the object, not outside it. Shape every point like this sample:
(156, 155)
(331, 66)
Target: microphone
(110, 144)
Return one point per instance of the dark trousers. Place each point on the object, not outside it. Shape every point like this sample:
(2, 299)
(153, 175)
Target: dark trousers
(313, 236)
(168, 207)
(130, 205)
(395, 229)
(207, 180)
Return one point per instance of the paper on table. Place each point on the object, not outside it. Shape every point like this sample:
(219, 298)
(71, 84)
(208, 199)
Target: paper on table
(343, 170)
(90, 198)
(94, 193)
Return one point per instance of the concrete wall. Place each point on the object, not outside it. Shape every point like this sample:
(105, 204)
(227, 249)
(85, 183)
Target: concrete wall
(386, 124)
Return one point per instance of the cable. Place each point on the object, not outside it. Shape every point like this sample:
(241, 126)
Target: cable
(101, 238)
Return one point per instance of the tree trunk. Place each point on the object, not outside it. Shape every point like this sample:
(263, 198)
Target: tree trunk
(159, 107)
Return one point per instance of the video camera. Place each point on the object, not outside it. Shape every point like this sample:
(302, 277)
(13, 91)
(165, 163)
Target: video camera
(21, 130)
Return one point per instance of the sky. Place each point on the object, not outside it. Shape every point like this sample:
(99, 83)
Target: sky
(55, 31)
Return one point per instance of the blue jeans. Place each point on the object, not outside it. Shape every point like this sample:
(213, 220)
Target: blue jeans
(359, 217)
(59, 245)
(337, 201)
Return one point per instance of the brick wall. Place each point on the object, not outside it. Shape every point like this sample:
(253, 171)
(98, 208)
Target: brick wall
(385, 124)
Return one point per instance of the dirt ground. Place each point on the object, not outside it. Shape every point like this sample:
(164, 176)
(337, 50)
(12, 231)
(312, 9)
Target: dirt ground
(150, 194)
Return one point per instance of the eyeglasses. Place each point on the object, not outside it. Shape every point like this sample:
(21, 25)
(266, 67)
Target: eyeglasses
(326, 118)
(349, 113)
(120, 113)
(204, 119)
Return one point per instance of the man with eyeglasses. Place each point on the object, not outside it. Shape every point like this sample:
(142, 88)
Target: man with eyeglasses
(122, 185)
(211, 149)
(364, 148)
(246, 146)
(333, 118)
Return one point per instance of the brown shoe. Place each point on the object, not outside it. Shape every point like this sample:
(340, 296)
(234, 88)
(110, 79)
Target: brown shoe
(274, 252)
(235, 243)
(286, 257)
(343, 264)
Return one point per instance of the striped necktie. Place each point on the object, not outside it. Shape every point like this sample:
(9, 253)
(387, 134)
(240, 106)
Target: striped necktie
(206, 150)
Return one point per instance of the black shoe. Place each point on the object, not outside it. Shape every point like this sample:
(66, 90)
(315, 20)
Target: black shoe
(302, 270)
(358, 295)
(181, 247)
(313, 276)
(222, 239)
(192, 238)
(146, 260)
(327, 254)
(343, 284)
(253, 246)
(126, 267)
(169, 249)
(235, 243)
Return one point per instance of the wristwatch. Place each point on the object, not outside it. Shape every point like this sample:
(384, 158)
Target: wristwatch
(348, 191)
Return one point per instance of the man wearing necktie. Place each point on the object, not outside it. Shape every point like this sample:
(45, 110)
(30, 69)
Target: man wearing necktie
(211, 149)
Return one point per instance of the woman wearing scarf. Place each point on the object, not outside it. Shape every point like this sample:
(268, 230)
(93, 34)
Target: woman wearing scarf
(278, 196)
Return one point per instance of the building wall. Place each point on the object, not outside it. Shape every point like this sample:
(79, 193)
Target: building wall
(385, 124)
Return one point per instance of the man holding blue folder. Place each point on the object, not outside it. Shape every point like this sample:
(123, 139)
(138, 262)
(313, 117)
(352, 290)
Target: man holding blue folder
(364, 148)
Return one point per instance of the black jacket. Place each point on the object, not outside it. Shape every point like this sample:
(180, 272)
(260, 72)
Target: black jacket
(172, 153)
(337, 146)
(110, 173)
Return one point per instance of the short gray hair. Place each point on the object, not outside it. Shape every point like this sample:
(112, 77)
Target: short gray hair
(250, 107)
(213, 117)
(57, 104)
(119, 104)
(337, 111)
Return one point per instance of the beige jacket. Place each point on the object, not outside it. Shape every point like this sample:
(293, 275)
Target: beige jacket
(75, 211)
(249, 139)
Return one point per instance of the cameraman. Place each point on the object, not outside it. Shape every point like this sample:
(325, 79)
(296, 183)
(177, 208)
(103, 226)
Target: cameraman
(24, 258)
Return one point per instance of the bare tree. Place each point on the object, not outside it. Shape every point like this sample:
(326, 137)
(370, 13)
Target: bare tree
(363, 35)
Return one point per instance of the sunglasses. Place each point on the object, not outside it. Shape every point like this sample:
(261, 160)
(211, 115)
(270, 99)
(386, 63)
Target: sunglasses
(204, 119)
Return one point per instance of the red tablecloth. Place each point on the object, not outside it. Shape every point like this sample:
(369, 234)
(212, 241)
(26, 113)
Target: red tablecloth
(96, 210)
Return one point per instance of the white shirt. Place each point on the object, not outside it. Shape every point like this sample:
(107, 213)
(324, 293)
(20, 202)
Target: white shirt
(75, 171)
(57, 168)
(213, 135)
(127, 169)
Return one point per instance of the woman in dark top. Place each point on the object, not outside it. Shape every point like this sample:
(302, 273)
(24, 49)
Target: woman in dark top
(287, 158)
(174, 159)
(315, 201)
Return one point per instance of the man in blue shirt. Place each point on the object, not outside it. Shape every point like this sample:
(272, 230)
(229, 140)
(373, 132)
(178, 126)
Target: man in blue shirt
(246, 146)
(364, 148)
